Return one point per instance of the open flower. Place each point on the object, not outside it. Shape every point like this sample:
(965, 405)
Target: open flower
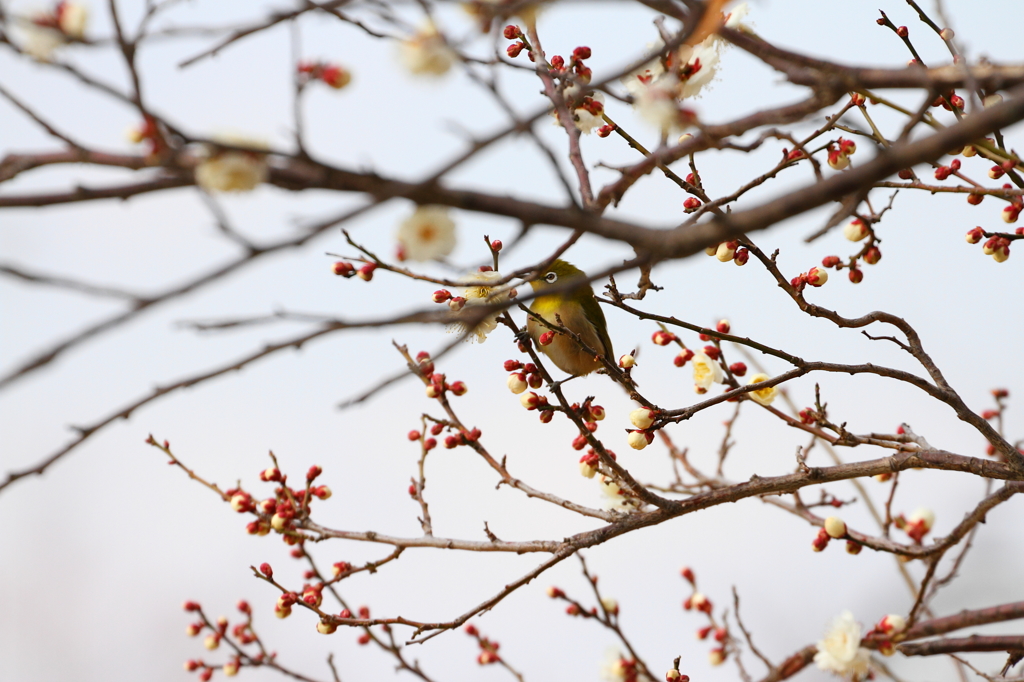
(480, 291)
(765, 395)
(229, 170)
(693, 67)
(427, 52)
(705, 372)
(428, 234)
(840, 652)
(585, 109)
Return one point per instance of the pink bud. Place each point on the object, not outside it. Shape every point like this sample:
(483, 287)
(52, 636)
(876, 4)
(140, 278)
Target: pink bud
(441, 295)
(456, 303)
(723, 327)
(496, 245)
(365, 273)
(546, 338)
(413, 435)
(458, 388)
(342, 268)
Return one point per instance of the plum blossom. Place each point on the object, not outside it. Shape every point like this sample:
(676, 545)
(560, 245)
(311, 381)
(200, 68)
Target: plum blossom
(427, 52)
(428, 234)
(230, 170)
(764, 396)
(45, 31)
(705, 372)
(694, 66)
(840, 652)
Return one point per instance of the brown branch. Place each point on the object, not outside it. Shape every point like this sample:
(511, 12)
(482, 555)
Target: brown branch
(964, 619)
(1008, 643)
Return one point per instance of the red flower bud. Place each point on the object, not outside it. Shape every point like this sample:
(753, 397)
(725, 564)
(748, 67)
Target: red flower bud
(738, 369)
(856, 275)
(266, 570)
(902, 32)
(581, 53)
(441, 295)
(512, 32)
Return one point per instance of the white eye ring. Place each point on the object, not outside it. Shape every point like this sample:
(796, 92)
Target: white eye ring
(551, 278)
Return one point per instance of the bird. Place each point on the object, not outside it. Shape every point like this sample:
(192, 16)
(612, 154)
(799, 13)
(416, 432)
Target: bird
(576, 310)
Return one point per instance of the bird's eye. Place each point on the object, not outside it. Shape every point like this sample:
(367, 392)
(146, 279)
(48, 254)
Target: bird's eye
(551, 278)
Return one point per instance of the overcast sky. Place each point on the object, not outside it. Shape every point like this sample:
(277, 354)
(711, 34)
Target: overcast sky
(98, 554)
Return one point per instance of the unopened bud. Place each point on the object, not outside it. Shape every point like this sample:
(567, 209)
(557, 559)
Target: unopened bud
(835, 527)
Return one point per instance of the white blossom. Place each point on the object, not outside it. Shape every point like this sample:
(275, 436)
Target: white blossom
(72, 19)
(840, 652)
(428, 234)
(427, 52)
(766, 395)
(705, 371)
(228, 170)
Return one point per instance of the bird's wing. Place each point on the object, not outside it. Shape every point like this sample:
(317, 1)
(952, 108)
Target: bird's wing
(594, 314)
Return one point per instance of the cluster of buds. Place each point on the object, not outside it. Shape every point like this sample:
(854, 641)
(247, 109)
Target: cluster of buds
(949, 100)
(729, 251)
(917, 525)
(943, 172)
(997, 171)
(815, 277)
(278, 512)
(697, 601)
(513, 32)
(488, 648)
(347, 270)
(334, 75)
(436, 383)
(839, 153)
(463, 437)
(886, 631)
(582, 72)
(642, 418)
(834, 528)
(531, 401)
(997, 245)
(591, 461)
(522, 375)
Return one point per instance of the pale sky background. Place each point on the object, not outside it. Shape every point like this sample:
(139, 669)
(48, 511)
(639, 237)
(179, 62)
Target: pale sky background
(97, 556)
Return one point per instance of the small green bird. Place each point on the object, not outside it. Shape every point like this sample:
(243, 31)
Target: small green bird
(579, 312)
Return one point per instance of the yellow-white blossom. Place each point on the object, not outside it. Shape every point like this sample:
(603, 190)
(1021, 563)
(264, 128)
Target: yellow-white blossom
(705, 372)
(840, 652)
(766, 395)
(72, 19)
(229, 170)
(427, 52)
(428, 234)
